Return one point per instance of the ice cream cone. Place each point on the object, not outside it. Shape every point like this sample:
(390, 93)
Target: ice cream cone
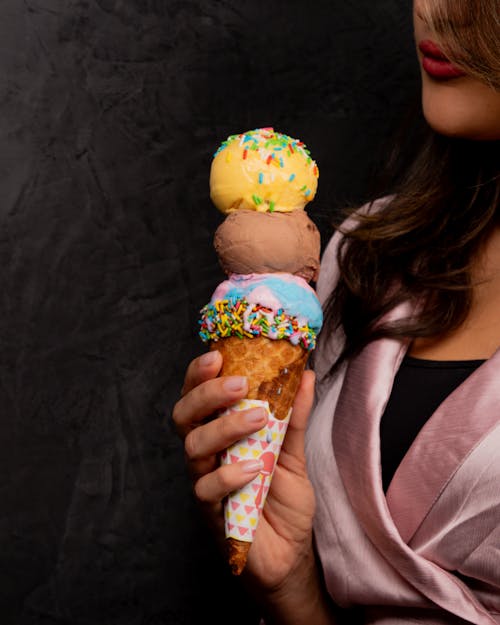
(265, 317)
(274, 369)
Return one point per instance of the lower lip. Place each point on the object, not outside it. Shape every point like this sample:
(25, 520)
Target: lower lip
(441, 69)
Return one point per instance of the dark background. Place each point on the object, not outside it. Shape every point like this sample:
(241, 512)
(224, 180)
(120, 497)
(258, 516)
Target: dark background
(110, 111)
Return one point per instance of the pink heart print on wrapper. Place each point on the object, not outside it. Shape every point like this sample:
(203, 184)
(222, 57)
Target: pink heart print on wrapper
(265, 318)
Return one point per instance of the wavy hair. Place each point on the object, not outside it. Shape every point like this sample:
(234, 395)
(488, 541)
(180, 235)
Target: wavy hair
(419, 247)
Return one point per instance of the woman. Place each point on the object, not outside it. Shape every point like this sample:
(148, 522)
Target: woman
(402, 472)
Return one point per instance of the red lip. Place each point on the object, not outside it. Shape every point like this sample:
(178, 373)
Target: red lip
(435, 62)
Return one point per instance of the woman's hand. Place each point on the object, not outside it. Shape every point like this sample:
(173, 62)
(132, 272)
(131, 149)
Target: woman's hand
(283, 542)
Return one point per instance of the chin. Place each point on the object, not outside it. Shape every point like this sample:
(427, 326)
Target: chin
(459, 128)
(462, 108)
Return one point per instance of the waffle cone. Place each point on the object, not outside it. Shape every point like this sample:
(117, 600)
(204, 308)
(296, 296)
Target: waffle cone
(274, 369)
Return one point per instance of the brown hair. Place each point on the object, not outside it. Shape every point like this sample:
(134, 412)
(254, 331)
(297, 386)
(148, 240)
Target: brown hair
(419, 246)
(469, 32)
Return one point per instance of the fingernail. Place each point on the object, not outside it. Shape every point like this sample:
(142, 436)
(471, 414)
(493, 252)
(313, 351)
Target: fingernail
(252, 466)
(235, 383)
(208, 359)
(256, 415)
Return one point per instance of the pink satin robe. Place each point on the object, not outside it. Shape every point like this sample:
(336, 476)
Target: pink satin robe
(429, 551)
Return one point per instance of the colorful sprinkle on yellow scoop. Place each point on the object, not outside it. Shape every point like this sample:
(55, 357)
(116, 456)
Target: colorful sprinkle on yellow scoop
(262, 170)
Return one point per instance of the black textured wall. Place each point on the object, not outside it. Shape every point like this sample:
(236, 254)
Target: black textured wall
(110, 111)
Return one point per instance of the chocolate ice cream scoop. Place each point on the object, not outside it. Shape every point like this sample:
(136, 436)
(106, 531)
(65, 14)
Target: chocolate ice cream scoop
(251, 242)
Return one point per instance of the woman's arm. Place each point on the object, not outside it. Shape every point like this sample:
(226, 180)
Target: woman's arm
(303, 600)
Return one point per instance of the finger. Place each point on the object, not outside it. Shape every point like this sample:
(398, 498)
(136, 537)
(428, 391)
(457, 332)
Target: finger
(206, 399)
(214, 486)
(217, 435)
(199, 468)
(200, 369)
(293, 445)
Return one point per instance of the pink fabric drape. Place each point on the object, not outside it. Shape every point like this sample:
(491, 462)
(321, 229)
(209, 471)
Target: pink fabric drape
(429, 552)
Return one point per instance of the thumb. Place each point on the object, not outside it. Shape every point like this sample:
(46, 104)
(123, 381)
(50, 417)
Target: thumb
(295, 436)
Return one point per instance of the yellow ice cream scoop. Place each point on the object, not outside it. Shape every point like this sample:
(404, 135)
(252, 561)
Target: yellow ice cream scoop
(262, 170)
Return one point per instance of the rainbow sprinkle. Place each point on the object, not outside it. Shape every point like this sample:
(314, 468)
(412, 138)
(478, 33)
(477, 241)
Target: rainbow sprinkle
(236, 317)
(274, 141)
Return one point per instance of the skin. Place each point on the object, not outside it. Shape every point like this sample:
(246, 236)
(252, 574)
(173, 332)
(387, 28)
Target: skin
(458, 107)
(281, 568)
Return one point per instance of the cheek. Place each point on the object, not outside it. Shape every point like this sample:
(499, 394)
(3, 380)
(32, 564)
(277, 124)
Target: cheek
(462, 108)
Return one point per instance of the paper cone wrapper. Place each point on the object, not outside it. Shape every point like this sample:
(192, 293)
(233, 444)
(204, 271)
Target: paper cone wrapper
(274, 370)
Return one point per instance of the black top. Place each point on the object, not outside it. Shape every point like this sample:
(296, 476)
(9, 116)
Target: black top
(419, 387)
